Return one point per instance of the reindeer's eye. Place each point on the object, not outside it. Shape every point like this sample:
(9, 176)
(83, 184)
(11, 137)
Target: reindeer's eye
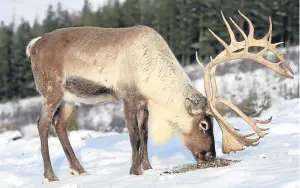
(204, 125)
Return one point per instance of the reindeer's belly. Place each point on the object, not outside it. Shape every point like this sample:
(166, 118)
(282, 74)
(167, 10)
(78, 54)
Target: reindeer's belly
(78, 89)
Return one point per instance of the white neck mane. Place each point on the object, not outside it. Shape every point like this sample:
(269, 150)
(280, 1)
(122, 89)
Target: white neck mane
(165, 84)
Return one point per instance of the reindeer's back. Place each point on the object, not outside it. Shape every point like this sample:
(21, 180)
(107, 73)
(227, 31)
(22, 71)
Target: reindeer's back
(90, 49)
(106, 56)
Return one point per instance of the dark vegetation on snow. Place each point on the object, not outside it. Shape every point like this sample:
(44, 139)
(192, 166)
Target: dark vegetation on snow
(218, 162)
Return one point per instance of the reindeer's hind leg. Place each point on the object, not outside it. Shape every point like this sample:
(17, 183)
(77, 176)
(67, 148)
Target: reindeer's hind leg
(47, 71)
(142, 117)
(60, 122)
(47, 113)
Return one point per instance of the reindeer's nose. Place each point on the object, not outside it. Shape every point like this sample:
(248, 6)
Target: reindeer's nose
(209, 156)
(205, 156)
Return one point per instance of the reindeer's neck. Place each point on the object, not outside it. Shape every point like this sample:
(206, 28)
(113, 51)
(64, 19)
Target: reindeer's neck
(166, 86)
(171, 116)
(168, 117)
(165, 82)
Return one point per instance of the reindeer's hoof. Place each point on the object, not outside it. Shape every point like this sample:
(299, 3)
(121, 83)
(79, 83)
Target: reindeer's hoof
(78, 172)
(50, 179)
(146, 166)
(136, 171)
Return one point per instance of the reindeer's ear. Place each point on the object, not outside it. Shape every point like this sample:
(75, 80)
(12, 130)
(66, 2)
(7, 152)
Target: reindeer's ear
(192, 107)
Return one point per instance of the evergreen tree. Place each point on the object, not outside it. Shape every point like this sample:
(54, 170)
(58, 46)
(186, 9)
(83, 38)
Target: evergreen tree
(109, 15)
(50, 22)
(3, 63)
(22, 74)
(63, 18)
(87, 18)
(36, 29)
(130, 13)
(7, 86)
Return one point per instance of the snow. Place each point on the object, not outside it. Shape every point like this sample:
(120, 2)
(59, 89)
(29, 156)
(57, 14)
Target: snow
(107, 158)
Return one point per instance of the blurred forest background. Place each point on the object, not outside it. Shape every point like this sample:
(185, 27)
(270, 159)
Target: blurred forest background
(182, 23)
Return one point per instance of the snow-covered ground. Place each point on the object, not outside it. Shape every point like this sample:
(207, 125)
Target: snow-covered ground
(107, 157)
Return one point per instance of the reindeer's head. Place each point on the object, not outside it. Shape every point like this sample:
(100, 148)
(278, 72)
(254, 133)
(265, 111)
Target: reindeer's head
(200, 139)
(232, 140)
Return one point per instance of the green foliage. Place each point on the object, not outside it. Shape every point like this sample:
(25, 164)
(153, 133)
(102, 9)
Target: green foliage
(255, 103)
(7, 127)
(7, 87)
(252, 106)
(23, 78)
(182, 23)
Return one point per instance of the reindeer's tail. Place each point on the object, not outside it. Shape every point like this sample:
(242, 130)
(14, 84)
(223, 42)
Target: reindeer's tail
(30, 44)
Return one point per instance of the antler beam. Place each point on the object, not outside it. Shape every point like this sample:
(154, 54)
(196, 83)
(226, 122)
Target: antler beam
(233, 140)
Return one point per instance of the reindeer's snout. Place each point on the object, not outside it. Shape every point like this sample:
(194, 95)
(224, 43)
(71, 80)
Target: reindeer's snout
(205, 156)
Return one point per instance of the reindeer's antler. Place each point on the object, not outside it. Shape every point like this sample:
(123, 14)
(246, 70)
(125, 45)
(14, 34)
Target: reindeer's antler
(232, 140)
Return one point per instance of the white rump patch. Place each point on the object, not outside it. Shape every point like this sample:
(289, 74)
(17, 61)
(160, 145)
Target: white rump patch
(30, 45)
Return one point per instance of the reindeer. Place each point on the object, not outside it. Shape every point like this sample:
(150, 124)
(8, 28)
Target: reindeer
(135, 65)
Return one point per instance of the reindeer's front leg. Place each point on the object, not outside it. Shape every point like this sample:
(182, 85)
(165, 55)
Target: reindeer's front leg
(130, 111)
(142, 117)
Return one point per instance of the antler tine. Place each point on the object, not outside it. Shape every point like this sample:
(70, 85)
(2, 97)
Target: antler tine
(270, 29)
(231, 34)
(278, 43)
(269, 34)
(221, 41)
(232, 140)
(251, 27)
(243, 33)
(251, 122)
(265, 121)
(284, 61)
(266, 48)
(213, 82)
(197, 59)
(274, 66)
(288, 67)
